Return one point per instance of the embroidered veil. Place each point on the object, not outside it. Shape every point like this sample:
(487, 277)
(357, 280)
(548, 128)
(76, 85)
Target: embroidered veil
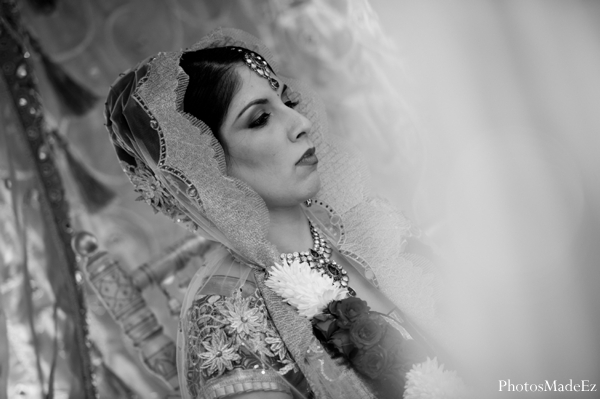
(177, 164)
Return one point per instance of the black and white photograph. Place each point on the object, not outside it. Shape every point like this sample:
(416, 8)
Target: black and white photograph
(299, 199)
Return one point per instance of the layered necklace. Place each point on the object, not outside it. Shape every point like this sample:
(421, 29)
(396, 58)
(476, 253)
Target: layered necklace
(319, 258)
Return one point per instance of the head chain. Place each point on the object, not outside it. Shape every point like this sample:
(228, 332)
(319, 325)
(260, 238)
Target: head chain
(258, 64)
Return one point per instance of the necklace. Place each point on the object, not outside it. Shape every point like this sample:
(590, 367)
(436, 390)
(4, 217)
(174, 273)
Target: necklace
(319, 258)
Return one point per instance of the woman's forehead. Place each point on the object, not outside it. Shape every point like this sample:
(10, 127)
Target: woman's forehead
(252, 81)
(251, 87)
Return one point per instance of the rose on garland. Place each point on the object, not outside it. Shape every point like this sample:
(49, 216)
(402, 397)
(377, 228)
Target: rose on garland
(349, 329)
(348, 310)
(367, 331)
(372, 362)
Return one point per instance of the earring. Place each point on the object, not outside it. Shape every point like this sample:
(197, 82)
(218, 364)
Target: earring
(308, 202)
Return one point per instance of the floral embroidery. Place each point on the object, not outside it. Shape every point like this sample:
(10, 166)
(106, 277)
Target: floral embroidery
(242, 319)
(150, 188)
(277, 347)
(155, 194)
(219, 354)
(225, 333)
(258, 345)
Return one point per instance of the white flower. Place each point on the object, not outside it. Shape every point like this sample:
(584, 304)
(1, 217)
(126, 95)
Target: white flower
(304, 288)
(429, 380)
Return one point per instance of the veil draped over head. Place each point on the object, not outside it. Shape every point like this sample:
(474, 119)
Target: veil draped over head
(176, 163)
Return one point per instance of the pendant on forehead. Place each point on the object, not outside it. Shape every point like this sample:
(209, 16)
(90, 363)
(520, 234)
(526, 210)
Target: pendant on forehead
(258, 65)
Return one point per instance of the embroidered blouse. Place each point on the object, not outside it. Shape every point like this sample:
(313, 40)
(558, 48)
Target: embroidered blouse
(231, 344)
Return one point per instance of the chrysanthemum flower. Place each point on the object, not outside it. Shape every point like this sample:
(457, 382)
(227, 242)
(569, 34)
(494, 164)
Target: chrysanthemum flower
(304, 288)
(429, 380)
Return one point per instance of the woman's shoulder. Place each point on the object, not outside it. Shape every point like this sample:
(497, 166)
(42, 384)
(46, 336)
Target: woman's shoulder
(227, 342)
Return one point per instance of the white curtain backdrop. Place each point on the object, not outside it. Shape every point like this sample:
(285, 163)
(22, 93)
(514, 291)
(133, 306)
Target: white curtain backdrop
(509, 93)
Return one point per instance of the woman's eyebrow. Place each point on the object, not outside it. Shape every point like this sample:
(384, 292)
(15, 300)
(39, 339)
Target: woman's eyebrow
(258, 101)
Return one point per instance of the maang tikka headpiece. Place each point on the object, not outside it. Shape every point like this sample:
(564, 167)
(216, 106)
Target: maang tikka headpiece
(258, 65)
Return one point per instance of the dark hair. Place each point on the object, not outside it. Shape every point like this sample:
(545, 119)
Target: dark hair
(212, 85)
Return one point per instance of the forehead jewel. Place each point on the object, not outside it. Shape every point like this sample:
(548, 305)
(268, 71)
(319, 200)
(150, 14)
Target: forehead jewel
(258, 64)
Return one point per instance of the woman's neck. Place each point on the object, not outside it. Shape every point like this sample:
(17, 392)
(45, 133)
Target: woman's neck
(289, 230)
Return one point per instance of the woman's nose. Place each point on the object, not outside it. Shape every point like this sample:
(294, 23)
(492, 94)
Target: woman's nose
(300, 127)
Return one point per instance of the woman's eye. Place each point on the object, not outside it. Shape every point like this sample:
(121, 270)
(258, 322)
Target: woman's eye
(260, 121)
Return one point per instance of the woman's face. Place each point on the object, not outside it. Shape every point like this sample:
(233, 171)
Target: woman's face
(267, 142)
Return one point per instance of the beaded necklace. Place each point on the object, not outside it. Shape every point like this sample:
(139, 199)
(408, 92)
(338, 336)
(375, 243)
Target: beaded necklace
(319, 258)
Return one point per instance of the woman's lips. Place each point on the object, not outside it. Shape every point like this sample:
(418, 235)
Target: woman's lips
(309, 158)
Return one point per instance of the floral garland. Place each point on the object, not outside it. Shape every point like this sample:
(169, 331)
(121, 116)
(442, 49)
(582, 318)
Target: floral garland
(388, 362)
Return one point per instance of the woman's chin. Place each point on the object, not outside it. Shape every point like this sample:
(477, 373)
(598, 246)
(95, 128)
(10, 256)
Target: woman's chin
(291, 194)
(313, 186)
(308, 188)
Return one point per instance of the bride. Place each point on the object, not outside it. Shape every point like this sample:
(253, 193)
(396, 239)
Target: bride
(214, 138)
